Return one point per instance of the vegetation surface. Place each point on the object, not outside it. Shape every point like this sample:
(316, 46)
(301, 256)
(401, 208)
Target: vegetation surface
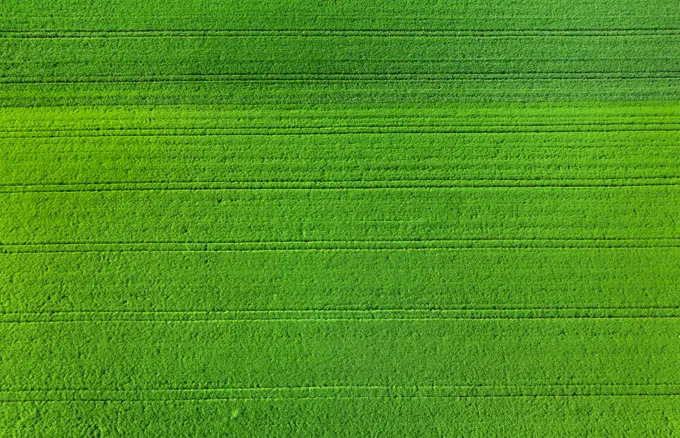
(339, 218)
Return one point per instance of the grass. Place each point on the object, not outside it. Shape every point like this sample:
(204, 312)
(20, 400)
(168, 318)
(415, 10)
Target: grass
(339, 218)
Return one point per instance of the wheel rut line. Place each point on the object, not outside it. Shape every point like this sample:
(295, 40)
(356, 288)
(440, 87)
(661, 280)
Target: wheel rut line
(339, 74)
(337, 181)
(424, 387)
(335, 319)
(339, 397)
(311, 186)
(328, 133)
(303, 81)
(346, 241)
(288, 127)
(387, 33)
(345, 249)
(346, 309)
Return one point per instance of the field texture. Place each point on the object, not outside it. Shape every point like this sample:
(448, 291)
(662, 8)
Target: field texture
(339, 218)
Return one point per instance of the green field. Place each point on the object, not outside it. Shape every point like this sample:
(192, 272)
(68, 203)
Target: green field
(339, 218)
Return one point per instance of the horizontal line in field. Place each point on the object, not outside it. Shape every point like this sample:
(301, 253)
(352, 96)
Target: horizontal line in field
(335, 131)
(357, 16)
(460, 123)
(339, 245)
(345, 77)
(340, 392)
(352, 65)
(269, 104)
(216, 398)
(384, 33)
(288, 118)
(357, 309)
(405, 184)
(207, 151)
(420, 62)
(209, 386)
(338, 315)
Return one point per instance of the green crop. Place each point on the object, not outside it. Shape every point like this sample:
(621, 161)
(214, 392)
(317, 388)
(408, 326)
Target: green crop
(339, 218)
